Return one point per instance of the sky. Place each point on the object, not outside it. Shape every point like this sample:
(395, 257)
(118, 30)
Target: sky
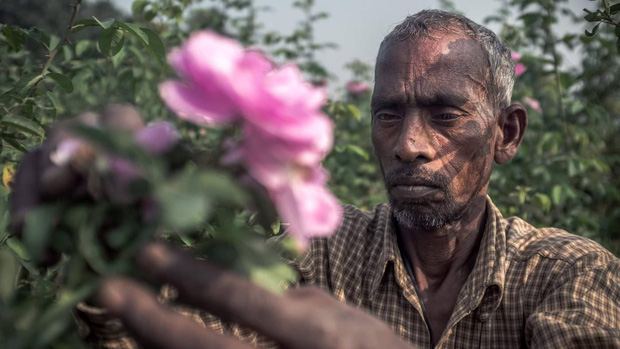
(358, 26)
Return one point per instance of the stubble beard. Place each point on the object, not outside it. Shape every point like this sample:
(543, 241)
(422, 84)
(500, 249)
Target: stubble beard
(411, 217)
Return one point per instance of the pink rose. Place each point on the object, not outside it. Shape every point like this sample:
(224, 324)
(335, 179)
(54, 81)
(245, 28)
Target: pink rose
(520, 69)
(309, 208)
(285, 133)
(533, 103)
(215, 70)
(357, 87)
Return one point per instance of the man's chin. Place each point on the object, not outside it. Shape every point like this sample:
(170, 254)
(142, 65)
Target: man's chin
(411, 218)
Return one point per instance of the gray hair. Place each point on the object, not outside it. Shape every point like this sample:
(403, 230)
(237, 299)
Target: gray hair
(501, 65)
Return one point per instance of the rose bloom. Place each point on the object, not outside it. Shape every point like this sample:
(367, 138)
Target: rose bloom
(285, 134)
(357, 87)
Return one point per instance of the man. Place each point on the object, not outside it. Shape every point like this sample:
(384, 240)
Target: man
(439, 265)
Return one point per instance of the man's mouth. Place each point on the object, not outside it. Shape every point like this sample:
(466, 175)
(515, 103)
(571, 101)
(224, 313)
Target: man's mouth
(409, 190)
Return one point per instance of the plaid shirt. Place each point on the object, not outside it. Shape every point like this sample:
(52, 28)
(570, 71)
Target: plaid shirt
(541, 288)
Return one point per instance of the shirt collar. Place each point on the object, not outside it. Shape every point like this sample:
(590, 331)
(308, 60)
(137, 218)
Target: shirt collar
(486, 281)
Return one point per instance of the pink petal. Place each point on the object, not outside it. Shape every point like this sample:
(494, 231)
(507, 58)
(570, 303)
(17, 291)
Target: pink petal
(65, 151)
(197, 105)
(515, 56)
(520, 69)
(158, 137)
(309, 208)
(533, 103)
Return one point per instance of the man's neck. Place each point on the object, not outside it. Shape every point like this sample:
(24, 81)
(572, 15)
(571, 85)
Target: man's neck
(446, 254)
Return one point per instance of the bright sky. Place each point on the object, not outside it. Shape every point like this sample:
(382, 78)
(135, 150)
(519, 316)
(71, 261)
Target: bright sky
(358, 26)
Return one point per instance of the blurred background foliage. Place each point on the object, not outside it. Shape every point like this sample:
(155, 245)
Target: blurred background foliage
(58, 61)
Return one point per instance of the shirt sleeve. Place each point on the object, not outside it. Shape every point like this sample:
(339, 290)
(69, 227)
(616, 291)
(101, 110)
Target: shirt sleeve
(581, 310)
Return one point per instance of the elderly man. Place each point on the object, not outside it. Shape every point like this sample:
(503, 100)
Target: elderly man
(439, 266)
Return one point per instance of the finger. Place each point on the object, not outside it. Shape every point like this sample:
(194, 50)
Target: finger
(154, 325)
(222, 293)
(26, 193)
(122, 117)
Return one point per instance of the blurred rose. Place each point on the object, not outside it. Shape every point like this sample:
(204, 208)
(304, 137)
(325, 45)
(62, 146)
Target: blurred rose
(214, 70)
(520, 69)
(285, 133)
(533, 103)
(357, 87)
(307, 205)
(158, 137)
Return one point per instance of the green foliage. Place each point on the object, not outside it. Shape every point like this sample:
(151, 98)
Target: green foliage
(66, 60)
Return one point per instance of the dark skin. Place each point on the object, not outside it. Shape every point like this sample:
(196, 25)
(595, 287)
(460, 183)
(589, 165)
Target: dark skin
(436, 133)
(421, 81)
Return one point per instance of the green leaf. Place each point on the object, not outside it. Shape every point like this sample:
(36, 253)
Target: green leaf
(52, 99)
(594, 30)
(83, 23)
(16, 145)
(9, 268)
(54, 41)
(81, 47)
(106, 23)
(188, 199)
(111, 41)
(18, 247)
(591, 17)
(354, 112)
(23, 125)
(136, 31)
(67, 53)
(613, 9)
(556, 194)
(543, 202)
(357, 150)
(15, 36)
(38, 229)
(137, 7)
(62, 80)
(155, 45)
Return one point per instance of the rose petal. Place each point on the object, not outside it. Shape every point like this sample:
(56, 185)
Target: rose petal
(158, 137)
(196, 105)
(309, 208)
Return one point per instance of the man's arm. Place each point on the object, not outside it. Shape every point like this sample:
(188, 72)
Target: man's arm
(302, 318)
(582, 310)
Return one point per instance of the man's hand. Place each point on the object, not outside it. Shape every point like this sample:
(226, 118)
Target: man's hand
(302, 318)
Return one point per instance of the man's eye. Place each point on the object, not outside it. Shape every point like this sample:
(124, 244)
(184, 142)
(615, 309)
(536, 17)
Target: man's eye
(445, 117)
(387, 117)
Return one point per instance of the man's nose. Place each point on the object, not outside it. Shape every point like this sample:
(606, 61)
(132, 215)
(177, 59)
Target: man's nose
(414, 142)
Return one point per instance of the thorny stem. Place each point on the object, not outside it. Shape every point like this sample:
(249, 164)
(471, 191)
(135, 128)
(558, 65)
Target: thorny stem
(558, 82)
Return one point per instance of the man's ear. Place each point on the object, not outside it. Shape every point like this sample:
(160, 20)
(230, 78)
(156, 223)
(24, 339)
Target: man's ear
(512, 123)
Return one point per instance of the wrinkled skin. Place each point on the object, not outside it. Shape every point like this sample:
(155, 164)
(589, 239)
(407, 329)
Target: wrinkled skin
(436, 131)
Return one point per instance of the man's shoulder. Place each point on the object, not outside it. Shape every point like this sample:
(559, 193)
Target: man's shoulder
(524, 242)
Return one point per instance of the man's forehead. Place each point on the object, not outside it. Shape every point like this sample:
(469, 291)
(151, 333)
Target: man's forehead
(443, 51)
(451, 61)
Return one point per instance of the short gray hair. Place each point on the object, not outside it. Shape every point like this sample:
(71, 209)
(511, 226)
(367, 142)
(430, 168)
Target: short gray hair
(501, 65)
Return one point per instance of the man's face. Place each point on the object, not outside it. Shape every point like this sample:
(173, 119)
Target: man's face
(433, 128)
